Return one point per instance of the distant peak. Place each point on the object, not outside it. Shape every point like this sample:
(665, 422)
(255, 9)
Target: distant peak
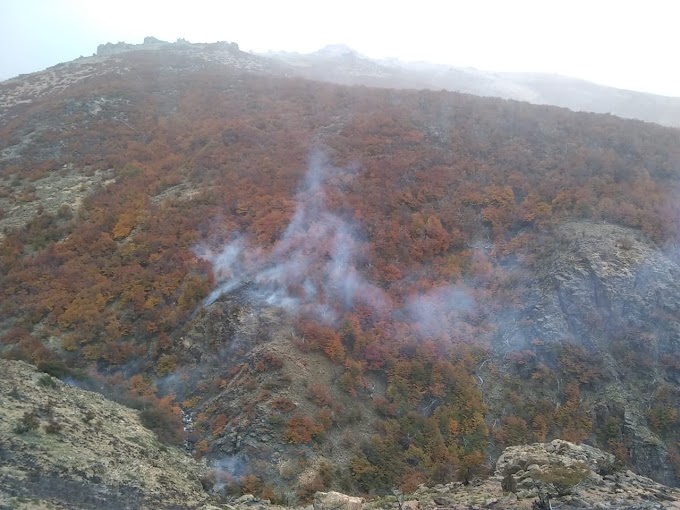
(153, 40)
(336, 50)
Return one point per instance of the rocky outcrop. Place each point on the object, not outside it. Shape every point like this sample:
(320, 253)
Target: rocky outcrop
(153, 43)
(150, 42)
(554, 475)
(556, 468)
(579, 475)
(615, 293)
(223, 46)
(605, 275)
(113, 48)
(336, 501)
(153, 40)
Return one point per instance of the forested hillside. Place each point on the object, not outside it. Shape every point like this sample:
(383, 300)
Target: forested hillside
(403, 240)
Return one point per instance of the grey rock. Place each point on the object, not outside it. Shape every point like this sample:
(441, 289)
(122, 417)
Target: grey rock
(336, 501)
(604, 287)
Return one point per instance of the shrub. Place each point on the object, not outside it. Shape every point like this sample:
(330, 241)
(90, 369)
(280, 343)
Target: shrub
(56, 369)
(167, 363)
(46, 381)
(563, 479)
(251, 484)
(626, 243)
(309, 487)
(219, 424)
(320, 395)
(272, 360)
(164, 424)
(65, 212)
(88, 416)
(53, 427)
(29, 421)
(208, 481)
(301, 429)
(283, 404)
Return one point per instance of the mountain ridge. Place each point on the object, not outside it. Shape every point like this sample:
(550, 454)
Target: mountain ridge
(341, 64)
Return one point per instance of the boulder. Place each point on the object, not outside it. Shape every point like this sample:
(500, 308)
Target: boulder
(336, 501)
(556, 468)
(555, 453)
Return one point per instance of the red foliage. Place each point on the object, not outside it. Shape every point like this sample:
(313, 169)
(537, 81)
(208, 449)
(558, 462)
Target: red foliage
(301, 429)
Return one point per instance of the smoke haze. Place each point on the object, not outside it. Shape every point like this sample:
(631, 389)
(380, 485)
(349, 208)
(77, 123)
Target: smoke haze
(312, 270)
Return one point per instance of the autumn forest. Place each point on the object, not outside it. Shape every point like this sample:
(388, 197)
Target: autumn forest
(399, 232)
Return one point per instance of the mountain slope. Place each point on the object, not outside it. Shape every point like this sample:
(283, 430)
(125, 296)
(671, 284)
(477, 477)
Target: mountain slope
(79, 450)
(63, 447)
(344, 287)
(608, 293)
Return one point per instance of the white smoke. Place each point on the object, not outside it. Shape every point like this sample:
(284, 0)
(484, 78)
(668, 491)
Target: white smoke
(227, 469)
(226, 267)
(311, 270)
(439, 312)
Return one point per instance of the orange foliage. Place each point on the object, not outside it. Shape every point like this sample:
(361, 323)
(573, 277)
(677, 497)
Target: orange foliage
(219, 424)
(301, 429)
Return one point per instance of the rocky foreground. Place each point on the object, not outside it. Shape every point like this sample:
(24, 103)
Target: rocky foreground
(541, 476)
(62, 447)
(75, 449)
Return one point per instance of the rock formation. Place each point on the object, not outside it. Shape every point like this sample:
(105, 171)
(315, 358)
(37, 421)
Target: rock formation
(113, 48)
(336, 501)
(558, 474)
(601, 286)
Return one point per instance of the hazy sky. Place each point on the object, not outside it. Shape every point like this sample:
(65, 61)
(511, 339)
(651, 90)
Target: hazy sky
(624, 43)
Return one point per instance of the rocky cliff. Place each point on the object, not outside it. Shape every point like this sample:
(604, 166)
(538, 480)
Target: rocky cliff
(615, 295)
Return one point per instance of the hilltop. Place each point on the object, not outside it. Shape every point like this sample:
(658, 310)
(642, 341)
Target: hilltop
(343, 65)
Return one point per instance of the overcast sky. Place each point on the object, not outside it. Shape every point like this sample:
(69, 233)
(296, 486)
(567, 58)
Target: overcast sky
(623, 43)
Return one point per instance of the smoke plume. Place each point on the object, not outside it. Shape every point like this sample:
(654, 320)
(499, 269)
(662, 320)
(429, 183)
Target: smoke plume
(312, 269)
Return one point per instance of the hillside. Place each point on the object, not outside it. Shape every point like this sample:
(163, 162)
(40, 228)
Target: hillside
(341, 287)
(63, 447)
(79, 450)
(68, 448)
